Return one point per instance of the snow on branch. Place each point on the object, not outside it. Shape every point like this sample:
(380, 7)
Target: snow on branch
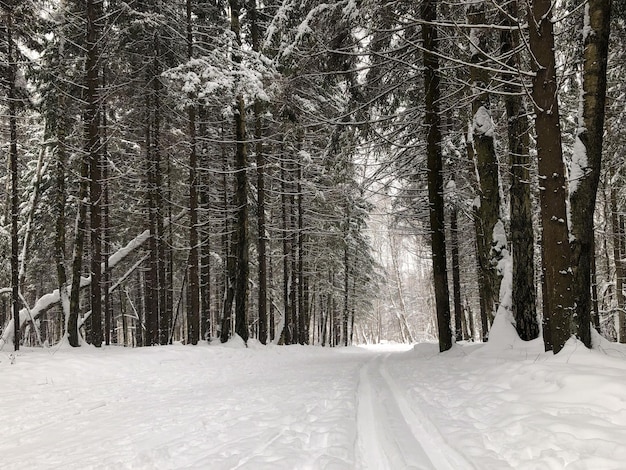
(50, 299)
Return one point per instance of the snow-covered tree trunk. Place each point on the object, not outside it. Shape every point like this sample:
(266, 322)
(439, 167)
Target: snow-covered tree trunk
(587, 159)
(558, 300)
(522, 234)
(482, 138)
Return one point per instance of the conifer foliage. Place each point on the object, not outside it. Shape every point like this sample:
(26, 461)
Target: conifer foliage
(210, 169)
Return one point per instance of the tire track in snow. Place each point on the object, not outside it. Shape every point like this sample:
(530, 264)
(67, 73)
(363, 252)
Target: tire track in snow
(391, 434)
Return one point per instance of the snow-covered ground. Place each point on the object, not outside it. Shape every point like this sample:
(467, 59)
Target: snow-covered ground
(495, 406)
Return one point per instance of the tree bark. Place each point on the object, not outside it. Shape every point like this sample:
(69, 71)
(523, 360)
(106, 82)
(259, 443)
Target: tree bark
(92, 137)
(288, 326)
(522, 235)
(587, 160)
(435, 170)
(193, 304)
(619, 256)
(260, 168)
(482, 132)
(13, 156)
(241, 192)
(456, 276)
(557, 269)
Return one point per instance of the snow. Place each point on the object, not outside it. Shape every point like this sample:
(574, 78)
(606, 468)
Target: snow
(586, 24)
(578, 165)
(504, 404)
(483, 124)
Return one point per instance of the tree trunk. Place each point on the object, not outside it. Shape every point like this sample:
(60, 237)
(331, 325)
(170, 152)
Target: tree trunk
(557, 268)
(303, 335)
(619, 255)
(151, 335)
(620, 280)
(435, 170)
(110, 331)
(260, 168)
(346, 285)
(13, 156)
(206, 295)
(522, 236)
(288, 320)
(241, 192)
(456, 276)
(483, 285)
(77, 259)
(595, 317)
(193, 304)
(482, 139)
(230, 266)
(587, 159)
(60, 199)
(92, 150)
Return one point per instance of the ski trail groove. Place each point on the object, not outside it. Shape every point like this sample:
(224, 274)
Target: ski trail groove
(442, 455)
(391, 434)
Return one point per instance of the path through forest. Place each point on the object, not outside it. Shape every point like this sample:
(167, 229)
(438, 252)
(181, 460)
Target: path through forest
(230, 407)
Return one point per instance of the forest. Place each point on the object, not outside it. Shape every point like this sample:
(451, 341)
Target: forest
(184, 171)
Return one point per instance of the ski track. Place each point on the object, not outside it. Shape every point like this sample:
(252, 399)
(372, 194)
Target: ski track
(392, 434)
(280, 409)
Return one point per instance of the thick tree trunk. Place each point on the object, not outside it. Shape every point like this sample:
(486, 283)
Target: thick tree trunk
(482, 284)
(557, 269)
(482, 133)
(241, 193)
(587, 158)
(522, 235)
(92, 137)
(260, 168)
(435, 170)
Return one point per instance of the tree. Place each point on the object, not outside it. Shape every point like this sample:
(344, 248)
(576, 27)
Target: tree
(435, 169)
(13, 157)
(193, 314)
(93, 157)
(557, 269)
(522, 234)
(241, 246)
(481, 138)
(260, 168)
(587, 159)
